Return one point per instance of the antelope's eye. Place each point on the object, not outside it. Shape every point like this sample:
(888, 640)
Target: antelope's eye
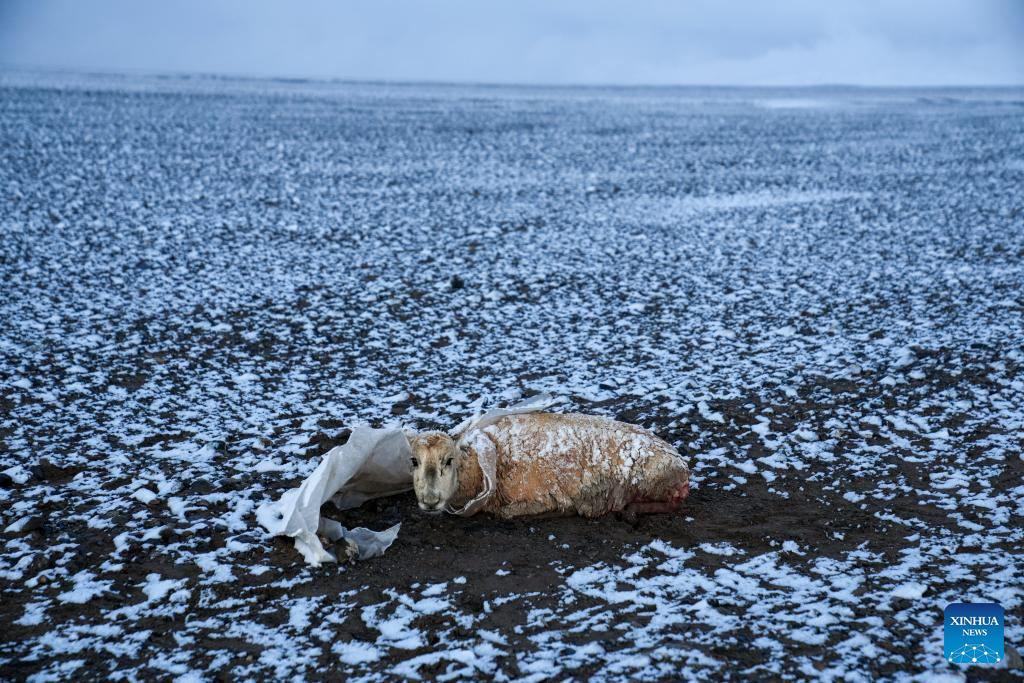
(414, 462)
(448, 462)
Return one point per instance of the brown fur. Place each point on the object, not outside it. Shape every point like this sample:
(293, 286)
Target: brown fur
(553, 464)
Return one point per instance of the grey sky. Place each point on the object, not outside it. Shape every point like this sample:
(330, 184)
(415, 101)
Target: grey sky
(786, 42)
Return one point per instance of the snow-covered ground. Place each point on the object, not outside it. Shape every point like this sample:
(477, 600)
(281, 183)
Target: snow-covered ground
(817, 295)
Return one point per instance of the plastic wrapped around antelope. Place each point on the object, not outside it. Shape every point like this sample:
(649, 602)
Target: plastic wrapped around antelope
(508, 462)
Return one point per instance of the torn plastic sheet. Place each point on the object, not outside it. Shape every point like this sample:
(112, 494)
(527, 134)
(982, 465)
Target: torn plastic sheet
(373, 463)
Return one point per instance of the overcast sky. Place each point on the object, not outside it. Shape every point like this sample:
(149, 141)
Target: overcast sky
(783, 42)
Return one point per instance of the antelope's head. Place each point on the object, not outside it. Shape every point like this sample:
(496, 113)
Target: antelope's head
(434, 470)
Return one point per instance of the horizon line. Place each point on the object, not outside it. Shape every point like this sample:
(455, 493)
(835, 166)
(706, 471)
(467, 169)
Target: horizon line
(137, 73)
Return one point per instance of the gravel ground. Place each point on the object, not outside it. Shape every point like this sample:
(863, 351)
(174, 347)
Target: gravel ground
(816, 295)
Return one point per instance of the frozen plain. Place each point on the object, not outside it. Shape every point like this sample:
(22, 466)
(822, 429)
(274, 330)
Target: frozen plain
(815, 294)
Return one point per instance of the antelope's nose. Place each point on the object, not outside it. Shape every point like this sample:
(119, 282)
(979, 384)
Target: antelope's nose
(431, 504)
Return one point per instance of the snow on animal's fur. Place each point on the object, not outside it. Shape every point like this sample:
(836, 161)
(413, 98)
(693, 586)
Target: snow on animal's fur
(546, 463)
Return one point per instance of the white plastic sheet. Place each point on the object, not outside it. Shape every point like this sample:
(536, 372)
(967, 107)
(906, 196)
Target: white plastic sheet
(371, 464)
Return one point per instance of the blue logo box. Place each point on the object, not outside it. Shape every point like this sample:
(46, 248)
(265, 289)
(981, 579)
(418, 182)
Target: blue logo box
(974, 633)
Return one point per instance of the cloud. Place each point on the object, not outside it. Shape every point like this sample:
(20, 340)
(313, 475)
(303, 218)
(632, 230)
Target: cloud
(897, 42)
